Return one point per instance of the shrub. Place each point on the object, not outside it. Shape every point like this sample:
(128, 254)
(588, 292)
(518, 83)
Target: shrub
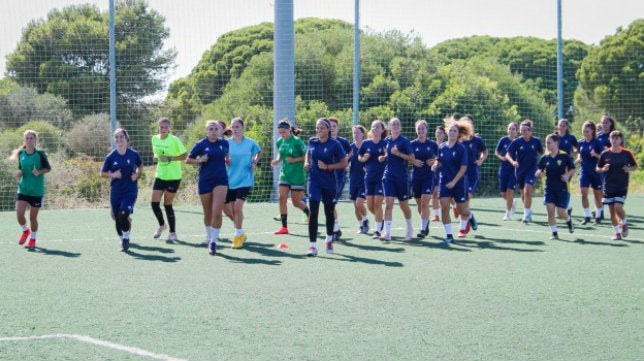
(90, 136)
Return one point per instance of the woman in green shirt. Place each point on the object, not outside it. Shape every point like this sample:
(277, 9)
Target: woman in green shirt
(290, 154)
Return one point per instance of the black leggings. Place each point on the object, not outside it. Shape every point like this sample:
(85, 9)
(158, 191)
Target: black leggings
(314, 208)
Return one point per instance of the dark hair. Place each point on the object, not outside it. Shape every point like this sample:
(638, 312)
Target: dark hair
(238, 119)
(553, 137)
(590, 124)
(567, 125)
(612, 124)
(526, 123)
(361, 128)
(285, 123)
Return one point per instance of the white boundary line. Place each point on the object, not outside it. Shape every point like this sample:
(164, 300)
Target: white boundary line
(93, 341)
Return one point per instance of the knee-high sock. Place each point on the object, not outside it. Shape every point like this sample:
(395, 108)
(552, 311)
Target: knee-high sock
(314, 209)
(169, 212)
(156, 208)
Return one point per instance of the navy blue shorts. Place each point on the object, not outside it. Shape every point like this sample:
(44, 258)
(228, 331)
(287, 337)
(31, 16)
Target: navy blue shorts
(590, 179)
(209, 185)
(356, 191)
(122, 202)
(459, 192)
(507, 180)
(422, 186)
(373, 188)
(324, 195)
(560, 199)
(396, 188)
(526, 177)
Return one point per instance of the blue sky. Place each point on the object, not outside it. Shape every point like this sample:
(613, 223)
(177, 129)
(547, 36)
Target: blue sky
(196, 24)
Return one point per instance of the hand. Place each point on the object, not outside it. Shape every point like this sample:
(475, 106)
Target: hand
(35, 171)
(275, 162)
(322, 165)
(394, 150)
(382, 158)
(430, 162)
(134, 177)
(515, 164)
(204, 158)
(418, 163)
(307, 167)
(117, 174)
(18, 174)
(290, 160)
(565, 178)
(450, 185)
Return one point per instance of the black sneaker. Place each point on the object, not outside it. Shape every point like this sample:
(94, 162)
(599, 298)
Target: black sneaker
(598, 220)
(423, 233)
(376, 235)
(473, 222)
(571, 228)
(585, 221)
(125, 244)
(449, 239)
(555, 235)
(569, 211)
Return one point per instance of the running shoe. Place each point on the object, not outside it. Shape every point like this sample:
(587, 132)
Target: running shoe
(527, 219)
(212, 248)
(386, 237)
(423, 233)
(435, 219)
(449, 239)
(376, 235)
(312, 252)
(554, 236)
(23, 236)
(159, 231)
(125, 244)
(282, 230)
(624, 230)
(462, 233)
(238, 241)
(31, 244)
(571, 227)
(329, 247)
(408, 236)
(172, 237)
(585, 221)
(507, 217)
(617, 237)
(472, 221)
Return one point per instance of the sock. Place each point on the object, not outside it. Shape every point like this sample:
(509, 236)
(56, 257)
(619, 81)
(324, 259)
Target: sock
(618, 229)
(424, 224)
(463, 224)
(207, 231)
(336, 225)
(436, 211)
(598, 212)
(239, 231)
(214, 234)
(408, 221)
(508, 214)
(329, 238)
(156, 208)
(448, 229)
(364, 219)
(587, 212)
(378, 226)
(33, 235)
(313, 244)
(284, 218)
(169, 212)
(126, 234)
(360, 223)
(24, 227)
(387, 227)
(624, 221)
(553, 228)
(528, 211)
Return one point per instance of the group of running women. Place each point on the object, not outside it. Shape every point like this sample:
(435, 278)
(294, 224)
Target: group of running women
(444, 172)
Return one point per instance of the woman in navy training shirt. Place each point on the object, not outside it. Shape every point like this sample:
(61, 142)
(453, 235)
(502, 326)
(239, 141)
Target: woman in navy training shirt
(522, 154)
(369, 153)
(439, 134)
(124, 168)
(211, 154)
(452, 165)
(340, 174)
(422, 178)
(589, 150)
(507, 178)
(356, 180)
(559, 169)
(616, 163)
(395, 179)
(323, 157)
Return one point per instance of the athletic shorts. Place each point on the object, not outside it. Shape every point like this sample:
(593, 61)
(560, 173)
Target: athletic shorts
(339, 187)
(235, 194)
(526, 177)
(292, 187)
(373, 188)
(209, 185)
(324, 195)
(473, 177)
(590, 179)
(356, 191)
(396, 188)
(170, 186)
(422, 186)
(613, 198)
(33, 201)
(507, 180)
(560, 199)
(459, 192)
(122, 202)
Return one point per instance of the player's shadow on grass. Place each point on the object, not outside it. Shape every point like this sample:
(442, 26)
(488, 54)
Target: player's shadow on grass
(151, 248)
(152, 257)
(267, 262)
(584, 242)
(374, 245)
(55, 252)
(490, 244)
(516, 241)
(348, 258)
(433, 242)
(268, 250)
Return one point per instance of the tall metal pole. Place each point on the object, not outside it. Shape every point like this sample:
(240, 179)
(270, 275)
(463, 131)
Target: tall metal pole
(112, 54)
(560, 59)
(356, 64)
(283, 72)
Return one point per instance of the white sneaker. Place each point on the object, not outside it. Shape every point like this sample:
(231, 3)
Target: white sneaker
(385, 237)
(507, 217)
(312, 252)
(159, 231)
(408, 235)
(205, 242)
(172, 237)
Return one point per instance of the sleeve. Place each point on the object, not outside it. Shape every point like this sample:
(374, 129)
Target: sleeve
(195, 151)
(633, 160)
(106, 163)
(602, 160)
(511, 148)
(571, 163)
(44, 162)
(463, 155)
(542, 163)
(407, 147)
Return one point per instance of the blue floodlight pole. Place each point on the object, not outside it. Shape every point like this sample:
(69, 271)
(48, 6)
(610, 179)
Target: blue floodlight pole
(560, 58)
(283, 71)
(356, 64)
(112, 46)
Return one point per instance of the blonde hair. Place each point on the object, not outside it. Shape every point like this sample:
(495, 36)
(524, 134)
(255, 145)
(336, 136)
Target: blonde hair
(464, 125)
(15, 152)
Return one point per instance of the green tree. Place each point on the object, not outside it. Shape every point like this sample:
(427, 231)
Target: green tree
(612, 75)
(22, 104)
(67, 55)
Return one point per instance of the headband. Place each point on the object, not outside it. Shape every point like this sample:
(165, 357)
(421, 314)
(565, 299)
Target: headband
(284, 126)
(326, 122)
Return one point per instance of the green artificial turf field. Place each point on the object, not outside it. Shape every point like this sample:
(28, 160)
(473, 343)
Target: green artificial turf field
(506, 292)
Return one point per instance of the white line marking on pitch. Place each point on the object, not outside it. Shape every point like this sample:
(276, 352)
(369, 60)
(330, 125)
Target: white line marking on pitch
(93, 341)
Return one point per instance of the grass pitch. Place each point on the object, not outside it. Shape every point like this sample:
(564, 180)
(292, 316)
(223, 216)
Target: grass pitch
(506, 292)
